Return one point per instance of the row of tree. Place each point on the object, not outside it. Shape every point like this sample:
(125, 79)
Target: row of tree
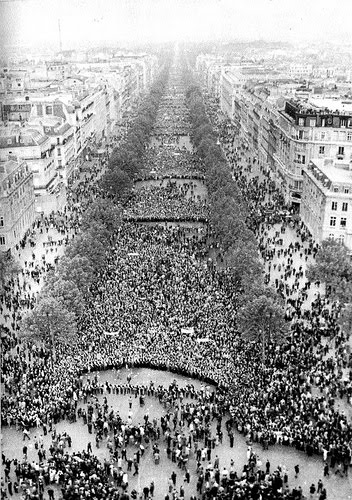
(260, 309)
(66, 290)
(126, 161)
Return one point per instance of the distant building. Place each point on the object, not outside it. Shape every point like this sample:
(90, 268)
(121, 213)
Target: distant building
(326, 207)
(231, 82)
(17, 202)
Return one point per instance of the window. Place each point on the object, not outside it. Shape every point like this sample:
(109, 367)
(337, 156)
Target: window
(349, 136)
(343, 221)
(341, 151)
(300, 134)
(312, 122)
(2, 239)
(346, 190)
(322, 136)
(334, 205)
(301, 122)
(48, 110)
(344, 206)
(341, 238)
(321, 150)
(58, 151)
(1, 221)
(59, 163)
(332, 221)
(336, 189)
(331, 236)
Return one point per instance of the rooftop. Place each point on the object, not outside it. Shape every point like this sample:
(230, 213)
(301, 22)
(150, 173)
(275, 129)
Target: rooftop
(328, 172)
(20, 136)
(332, 104)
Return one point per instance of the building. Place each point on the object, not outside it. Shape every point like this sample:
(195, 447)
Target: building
(326, 207)
(39, 153)
(61, 134)
(231, 82)
(306, 132)
(285, 134)
(17, 202)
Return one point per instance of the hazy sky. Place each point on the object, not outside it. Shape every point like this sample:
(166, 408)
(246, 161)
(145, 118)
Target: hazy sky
(36, 21)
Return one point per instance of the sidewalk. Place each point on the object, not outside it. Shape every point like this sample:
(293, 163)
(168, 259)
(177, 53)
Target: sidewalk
(44, 247)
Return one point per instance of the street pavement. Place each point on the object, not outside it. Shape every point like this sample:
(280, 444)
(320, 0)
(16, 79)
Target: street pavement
(311, 469)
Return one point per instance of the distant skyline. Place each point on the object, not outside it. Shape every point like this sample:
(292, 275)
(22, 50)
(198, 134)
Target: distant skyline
(35, 22)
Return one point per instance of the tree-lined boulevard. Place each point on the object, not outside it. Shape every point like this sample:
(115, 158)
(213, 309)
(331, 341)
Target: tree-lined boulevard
(175, 266)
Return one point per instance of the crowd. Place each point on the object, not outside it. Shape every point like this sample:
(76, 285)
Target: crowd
(172, 161)
(173, 201)
(157, 303)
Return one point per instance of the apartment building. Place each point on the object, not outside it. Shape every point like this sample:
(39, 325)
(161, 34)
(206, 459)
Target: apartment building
(306, 132)
(286, 133)
(17, 202)
(326, 207)
(37, 150)
(61, 134)
(231, 82)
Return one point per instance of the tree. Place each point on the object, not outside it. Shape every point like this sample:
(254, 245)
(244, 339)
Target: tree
(228, 223)
(49, 322)
(77, 269)
(333, 267)
(104, 212)
(117, 183)
(66, 292)
(244, 264)
(262, 318)
(88, 245)
(345, 319)
(9, 268)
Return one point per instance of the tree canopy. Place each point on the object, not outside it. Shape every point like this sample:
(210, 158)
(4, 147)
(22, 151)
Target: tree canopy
(333, 267)
(49, 322)
(9, 267)
(262, 315)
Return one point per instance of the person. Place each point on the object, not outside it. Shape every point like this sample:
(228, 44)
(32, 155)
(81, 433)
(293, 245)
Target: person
(146, 492)
(312, 490)
(320, 486)
(173, 477)
(151, 488)
(296, 470)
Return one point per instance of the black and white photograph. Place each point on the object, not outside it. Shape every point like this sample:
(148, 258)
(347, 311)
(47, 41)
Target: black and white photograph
(176, 249)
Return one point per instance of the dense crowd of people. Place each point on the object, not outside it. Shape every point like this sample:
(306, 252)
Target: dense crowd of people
(173, 201)
(159, 303)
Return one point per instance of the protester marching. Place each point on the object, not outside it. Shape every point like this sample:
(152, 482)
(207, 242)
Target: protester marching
(163, 297)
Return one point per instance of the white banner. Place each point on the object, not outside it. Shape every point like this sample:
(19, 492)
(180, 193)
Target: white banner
(187, 330)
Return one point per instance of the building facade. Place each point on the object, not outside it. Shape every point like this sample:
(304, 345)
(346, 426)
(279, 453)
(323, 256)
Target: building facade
(326, 207)
(17, 202)
(39, 153)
